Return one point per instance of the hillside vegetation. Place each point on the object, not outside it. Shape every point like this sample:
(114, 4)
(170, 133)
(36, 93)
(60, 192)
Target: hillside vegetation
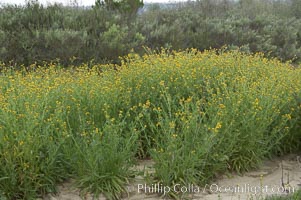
(76, 35)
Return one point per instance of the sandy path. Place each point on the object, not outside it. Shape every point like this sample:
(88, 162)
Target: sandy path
(276, 177)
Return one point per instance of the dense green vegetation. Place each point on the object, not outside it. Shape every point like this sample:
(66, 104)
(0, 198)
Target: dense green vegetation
(195, 114)
(63, 115)
(73, 35)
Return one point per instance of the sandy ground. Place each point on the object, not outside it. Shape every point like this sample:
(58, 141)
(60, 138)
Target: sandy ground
(279, 176)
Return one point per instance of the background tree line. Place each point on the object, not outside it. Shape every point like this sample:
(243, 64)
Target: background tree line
(109, 29)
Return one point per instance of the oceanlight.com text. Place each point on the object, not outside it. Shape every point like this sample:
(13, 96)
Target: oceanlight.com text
(214, 188)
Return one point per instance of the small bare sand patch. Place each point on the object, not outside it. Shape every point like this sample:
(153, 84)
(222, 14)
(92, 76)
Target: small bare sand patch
(279, 176)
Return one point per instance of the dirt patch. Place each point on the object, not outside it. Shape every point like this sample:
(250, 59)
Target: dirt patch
(279, 176)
